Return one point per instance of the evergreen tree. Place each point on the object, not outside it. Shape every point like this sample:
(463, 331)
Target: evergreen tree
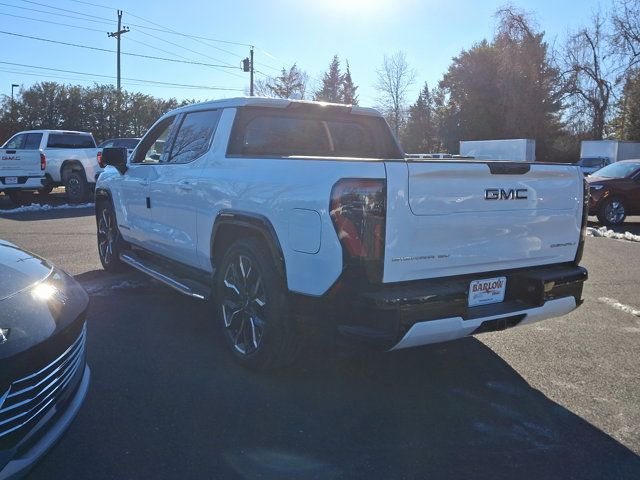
(348, 89)
(419, 132)
(291, 83)
(331, 84)
(626, 124)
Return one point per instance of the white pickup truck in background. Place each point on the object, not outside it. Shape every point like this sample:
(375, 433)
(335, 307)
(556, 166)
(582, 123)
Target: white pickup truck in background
(22, 166)
(71, 161)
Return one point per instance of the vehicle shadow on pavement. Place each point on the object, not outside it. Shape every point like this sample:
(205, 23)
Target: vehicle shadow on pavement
(168, 401)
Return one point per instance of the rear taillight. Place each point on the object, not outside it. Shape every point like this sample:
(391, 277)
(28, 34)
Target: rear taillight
(358, 212)
(100, 160)
(585, 218)
(43, 161)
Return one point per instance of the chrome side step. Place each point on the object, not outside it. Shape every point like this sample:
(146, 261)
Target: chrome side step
(182, 285)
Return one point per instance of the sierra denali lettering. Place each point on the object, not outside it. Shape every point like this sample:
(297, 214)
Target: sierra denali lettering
(502, 194)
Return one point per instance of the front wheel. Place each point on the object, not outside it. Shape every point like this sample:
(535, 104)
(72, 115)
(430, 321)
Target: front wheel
(110, 242)
(251, 304)
(612, 212)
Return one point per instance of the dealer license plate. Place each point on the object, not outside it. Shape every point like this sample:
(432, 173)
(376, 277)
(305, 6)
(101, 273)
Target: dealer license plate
(10, 180)
(489, 290)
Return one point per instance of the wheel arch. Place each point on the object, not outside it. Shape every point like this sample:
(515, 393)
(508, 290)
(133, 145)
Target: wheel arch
(72, 166)
(103, 196)
(230, 225)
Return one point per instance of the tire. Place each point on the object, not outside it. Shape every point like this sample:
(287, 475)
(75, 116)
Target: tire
(612, 212)
(19, 197)
(76, 187)
(110, 242)
(252, 309)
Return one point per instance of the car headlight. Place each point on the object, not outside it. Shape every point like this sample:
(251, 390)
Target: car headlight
(597, 187)
(45, 291)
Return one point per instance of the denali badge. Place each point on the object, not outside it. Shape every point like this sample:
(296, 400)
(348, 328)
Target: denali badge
(502, 194)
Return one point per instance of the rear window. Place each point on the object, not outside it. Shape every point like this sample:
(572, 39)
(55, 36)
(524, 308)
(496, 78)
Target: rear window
(592, 162)
(129, 143)
(70, 140)
(315, 132)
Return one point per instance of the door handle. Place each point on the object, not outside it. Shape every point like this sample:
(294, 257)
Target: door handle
(143, 183)
(10, 151)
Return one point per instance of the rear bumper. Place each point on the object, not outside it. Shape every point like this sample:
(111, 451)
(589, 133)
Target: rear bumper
(24, 183)
(430, 311)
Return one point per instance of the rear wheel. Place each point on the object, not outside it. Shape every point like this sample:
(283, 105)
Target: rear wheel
(251, 303)
(612, 212)
(76, 187)
(110, 242)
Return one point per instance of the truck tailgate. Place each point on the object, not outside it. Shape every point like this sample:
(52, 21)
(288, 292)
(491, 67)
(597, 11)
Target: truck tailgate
(454, 218)
(20, 163)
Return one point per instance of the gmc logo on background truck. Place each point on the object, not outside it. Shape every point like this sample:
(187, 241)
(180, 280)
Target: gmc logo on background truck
(502, 194)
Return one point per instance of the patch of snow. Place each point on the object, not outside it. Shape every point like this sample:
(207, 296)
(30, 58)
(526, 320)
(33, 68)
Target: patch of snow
(606, 233)
(36, 207)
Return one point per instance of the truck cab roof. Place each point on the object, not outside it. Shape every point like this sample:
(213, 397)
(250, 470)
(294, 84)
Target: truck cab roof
(274, 103)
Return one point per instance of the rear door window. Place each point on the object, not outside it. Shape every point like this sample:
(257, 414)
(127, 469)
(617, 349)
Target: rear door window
(315, 132)
(70, 140)
(33, 141)
(194, 136)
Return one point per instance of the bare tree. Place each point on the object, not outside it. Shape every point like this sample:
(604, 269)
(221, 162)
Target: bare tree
(590, 76)
(626, 30)
(394, 78)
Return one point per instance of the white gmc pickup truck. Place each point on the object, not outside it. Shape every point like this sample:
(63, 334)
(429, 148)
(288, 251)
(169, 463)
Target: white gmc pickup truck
(301, 218)
(71, 161)
(22, 166)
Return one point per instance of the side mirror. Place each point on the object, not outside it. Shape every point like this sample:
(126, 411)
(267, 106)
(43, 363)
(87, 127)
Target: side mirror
(116, 157)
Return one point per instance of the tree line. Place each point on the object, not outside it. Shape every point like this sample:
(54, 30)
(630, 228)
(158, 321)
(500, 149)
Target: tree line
(514, 85)
(99, 109)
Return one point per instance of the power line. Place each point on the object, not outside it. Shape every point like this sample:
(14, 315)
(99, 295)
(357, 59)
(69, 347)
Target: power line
(48, 21)
(151, 57)
(142, 43)
(144, 81)
(163, 29)
(105, 21)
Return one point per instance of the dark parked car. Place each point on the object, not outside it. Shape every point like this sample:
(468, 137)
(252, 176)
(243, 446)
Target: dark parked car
(615, 192)
(43, 373)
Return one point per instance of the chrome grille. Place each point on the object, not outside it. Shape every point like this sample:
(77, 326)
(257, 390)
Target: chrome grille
(32, 395)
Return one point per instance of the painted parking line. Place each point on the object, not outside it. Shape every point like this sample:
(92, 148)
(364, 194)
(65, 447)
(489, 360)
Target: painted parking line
(612, 302)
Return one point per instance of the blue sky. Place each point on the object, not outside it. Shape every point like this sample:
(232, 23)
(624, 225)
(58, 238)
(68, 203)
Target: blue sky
(431, 32)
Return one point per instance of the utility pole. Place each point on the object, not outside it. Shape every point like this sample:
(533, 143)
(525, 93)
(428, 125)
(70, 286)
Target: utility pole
(13, 105)
(13, 85)
(251, 73)
(117, 35)
(247, 66)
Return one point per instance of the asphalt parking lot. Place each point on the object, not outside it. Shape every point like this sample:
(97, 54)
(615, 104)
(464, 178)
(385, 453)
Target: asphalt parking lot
(557, 399)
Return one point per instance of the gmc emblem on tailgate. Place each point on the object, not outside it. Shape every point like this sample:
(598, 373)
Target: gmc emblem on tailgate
(502, 194)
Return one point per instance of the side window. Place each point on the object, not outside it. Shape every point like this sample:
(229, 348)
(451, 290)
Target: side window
(194, 136)
(33, 141)
(107, 144)
(17, 142)
(154, 147)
